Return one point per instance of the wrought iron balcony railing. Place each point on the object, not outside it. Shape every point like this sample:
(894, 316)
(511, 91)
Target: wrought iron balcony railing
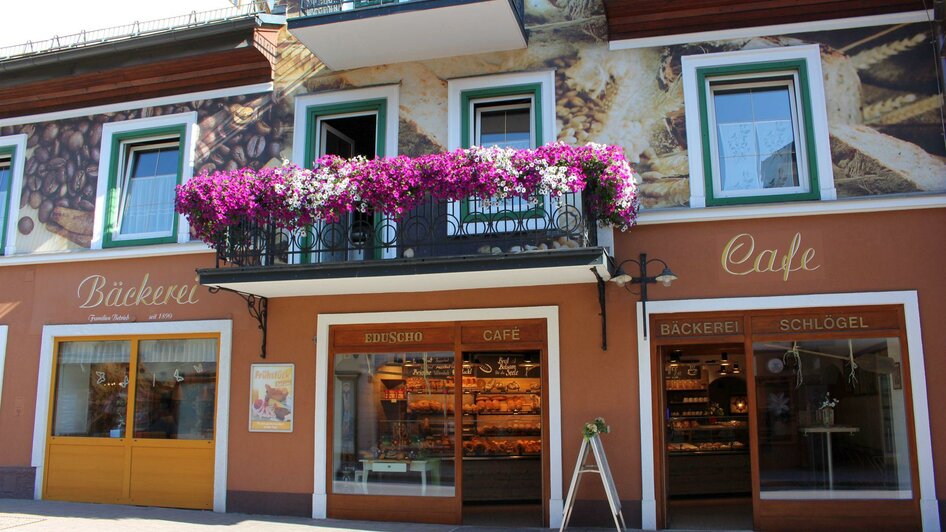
(434, 229)
(325, 7)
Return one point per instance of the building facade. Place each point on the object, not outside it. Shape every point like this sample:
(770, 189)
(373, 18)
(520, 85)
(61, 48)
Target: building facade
(439, 366)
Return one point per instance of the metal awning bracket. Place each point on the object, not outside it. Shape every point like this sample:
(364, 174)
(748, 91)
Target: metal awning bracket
(258, 307)
(602, 301)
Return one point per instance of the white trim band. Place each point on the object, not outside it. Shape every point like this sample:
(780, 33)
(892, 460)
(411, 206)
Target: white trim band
(131, 252)
(871, 204)
(548, 313)
(138, 104)
(221, 424)
(776, 29)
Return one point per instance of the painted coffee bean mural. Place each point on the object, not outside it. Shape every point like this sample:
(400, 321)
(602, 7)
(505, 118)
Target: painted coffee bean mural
(61, 173)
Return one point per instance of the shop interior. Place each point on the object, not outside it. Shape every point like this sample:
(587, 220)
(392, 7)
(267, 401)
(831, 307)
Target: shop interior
(706, 433)
(397, 428)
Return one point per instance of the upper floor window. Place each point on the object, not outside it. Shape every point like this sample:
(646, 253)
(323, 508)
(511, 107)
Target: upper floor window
(141, 192)
(504, 123)
(12, 162)
(757, 132)
(757, 127)
(347, 123)
(509, 111)
(144, 161)
(6, 179)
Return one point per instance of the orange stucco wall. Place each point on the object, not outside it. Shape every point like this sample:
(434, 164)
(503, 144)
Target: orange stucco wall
(853, 253)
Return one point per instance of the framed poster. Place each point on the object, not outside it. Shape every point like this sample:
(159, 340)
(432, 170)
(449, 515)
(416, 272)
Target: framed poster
(271, 396)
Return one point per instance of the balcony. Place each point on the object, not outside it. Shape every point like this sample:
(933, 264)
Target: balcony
(438, 245)
(348, 34)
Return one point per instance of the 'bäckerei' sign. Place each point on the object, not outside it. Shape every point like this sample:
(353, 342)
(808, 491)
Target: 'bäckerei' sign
(688, 327)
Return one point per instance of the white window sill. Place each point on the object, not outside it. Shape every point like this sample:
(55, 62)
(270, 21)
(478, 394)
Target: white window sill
(131, 252)
(781, 210)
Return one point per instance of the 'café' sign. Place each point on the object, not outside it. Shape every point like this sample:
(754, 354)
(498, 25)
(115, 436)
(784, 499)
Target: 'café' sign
(741, 257)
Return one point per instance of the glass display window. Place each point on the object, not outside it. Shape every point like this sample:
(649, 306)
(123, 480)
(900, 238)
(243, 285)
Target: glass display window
(174, 390)
(832, 419)
(394, 424)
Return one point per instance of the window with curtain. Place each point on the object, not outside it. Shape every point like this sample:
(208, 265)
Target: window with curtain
(150, 175)
(91, 389)
(171, 381)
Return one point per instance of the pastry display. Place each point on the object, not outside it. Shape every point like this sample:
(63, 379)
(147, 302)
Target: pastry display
(499, 416)
(428, 406)
(512, 428)
(477, 446)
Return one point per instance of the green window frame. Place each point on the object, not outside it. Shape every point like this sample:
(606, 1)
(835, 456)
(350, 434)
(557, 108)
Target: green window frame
(122, 145)
(512, 92)
(314, 113)
(753, 73)
(7, 156)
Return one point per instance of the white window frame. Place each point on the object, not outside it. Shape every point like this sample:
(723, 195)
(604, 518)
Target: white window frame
(4, 329)
(125, 163)
(811, 54)
(17, 166)
(390, 93)
(109, 130)
(501, 103)
(801, 150)
(455, 89)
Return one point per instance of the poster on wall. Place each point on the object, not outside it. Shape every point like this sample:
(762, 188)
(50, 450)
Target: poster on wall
(271, 397)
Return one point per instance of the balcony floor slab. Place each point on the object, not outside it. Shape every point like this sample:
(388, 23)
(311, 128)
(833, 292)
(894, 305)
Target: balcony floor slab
(538, 268)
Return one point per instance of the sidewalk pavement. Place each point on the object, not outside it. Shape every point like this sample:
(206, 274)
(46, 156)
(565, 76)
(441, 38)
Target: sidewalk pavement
(19, 515)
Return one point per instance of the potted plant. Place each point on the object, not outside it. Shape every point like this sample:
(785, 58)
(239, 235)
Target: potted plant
(827, 409)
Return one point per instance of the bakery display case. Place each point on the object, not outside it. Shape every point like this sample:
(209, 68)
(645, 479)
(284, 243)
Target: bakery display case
(706, 428)
(502, 429)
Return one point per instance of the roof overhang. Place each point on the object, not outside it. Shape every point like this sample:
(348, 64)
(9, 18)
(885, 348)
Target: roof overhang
(540, 268)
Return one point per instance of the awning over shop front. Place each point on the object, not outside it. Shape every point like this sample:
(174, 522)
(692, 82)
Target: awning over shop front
(536, 268)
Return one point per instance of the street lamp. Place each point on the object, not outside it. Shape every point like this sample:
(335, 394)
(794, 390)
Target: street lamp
(624, 279)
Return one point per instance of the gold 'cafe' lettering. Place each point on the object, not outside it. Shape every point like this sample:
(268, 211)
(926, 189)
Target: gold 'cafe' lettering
(496, 335)
(93, 293)
(739, 261)
(827, 323)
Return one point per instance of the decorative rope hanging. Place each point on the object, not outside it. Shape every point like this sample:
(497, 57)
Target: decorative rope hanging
(852, 375)
(793, 355)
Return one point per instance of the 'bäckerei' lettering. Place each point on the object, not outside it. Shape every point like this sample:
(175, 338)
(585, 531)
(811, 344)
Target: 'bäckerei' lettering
(699, 328)
(94, 291)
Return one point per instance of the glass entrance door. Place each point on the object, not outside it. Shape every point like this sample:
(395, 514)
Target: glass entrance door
(133, 421)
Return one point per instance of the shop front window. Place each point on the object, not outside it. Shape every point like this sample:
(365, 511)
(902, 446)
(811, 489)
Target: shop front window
(832, 419)
(175, 392)
(394, 425)
(91, 389)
